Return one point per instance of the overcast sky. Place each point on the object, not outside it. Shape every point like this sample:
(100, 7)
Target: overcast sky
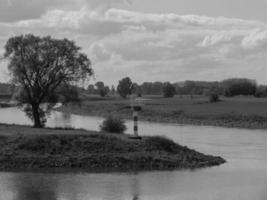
(151, 40)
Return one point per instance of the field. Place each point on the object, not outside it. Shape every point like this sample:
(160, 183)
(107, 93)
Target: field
(242, 112)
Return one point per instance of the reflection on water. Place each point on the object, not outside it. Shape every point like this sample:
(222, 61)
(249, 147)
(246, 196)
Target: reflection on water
(30, 194)
(67, 187)
(184, 185)
(244, 176)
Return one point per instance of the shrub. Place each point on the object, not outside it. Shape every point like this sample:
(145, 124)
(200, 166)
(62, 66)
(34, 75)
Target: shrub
(213, 98)
(113, 124)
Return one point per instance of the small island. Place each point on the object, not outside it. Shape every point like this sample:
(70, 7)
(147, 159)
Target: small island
(26, 148)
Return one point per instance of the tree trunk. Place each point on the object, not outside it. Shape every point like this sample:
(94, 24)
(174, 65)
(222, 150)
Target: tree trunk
(36, 116)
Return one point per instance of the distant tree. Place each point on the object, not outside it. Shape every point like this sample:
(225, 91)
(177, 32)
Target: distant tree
(179, 89)
(136, 89)
(125, 87)
(113, 90)
(196, 87)
(234, 87)
(157, 88)
(190, 87)
(104, 91)
(261, 91)
(101, 89)
(168, 90)
(40, 66)
(67, 93)
(99, 85)
(146, 87)
(91, 89)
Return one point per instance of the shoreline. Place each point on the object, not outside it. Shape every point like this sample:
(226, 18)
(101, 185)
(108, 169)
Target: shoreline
(175, 114)
(42, 150)
(253, 122)
(248, 124)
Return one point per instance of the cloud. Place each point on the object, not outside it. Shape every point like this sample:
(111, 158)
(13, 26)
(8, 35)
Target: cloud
(99, 52)
(147, 46)
(174, 20)
(16, 10)
(216, 39)
(255, 39)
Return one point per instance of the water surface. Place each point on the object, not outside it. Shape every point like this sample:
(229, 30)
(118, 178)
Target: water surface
(244, 176)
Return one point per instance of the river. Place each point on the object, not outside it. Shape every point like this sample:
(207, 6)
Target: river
(243, 177)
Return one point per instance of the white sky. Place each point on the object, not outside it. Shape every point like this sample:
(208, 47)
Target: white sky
(151, 40)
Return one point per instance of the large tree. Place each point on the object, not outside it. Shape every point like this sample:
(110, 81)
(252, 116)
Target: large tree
(41, 67)
(125, 87)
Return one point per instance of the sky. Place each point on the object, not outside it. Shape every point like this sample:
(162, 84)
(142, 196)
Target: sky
(150, 40)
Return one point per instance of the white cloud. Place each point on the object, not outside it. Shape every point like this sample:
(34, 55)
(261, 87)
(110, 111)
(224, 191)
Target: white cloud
(255, 39)
(16, 10)
(218, 38)
(151, 46)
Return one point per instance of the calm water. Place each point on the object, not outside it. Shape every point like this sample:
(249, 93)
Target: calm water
(243, 177)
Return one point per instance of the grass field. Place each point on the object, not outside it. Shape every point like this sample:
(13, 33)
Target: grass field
(242, 112)
(26, 148)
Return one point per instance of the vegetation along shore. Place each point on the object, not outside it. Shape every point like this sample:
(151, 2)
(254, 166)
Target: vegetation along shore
(26, 148)
(239, 112)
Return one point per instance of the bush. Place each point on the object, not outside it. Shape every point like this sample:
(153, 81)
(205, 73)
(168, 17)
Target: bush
(113, 124)
(213, 98)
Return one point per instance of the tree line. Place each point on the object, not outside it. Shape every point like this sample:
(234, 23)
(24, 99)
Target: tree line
(229, 88)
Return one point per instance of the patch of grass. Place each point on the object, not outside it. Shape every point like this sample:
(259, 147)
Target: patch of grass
(98, 152)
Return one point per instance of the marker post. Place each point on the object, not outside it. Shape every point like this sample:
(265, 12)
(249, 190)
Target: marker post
(136, 107)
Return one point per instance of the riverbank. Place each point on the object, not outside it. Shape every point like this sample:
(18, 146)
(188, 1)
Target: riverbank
(6, 105)
(230, 112)
(26, 148)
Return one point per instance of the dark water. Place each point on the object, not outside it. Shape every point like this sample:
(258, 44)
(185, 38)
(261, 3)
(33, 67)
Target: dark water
(243, 177)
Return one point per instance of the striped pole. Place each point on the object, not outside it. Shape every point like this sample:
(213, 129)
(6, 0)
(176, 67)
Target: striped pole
(135, 116)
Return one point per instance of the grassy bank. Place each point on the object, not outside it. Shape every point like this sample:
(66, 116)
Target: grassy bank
(25, 148)
(241, 112)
